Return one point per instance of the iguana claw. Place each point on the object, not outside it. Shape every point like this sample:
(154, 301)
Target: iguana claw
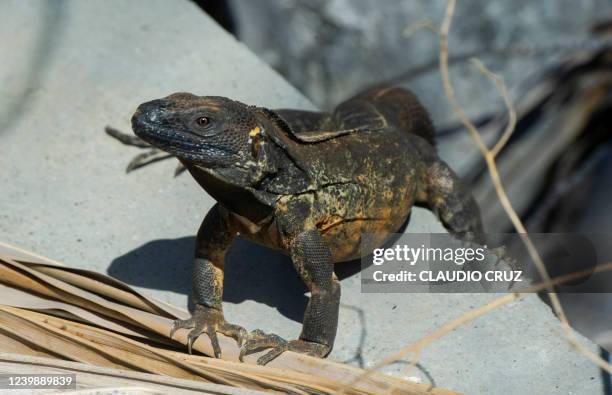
(259, 340)
(209, 321)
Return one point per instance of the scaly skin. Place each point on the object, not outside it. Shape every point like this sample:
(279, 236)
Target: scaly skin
(305, 183)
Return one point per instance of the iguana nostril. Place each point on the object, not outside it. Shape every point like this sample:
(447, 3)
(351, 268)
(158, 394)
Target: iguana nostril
(150, 111)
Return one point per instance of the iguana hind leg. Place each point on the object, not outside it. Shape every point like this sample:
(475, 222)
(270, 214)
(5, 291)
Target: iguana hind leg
(312, 260)
(453, 203)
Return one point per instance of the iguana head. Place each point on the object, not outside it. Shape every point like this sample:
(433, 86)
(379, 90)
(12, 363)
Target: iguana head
(211, 131)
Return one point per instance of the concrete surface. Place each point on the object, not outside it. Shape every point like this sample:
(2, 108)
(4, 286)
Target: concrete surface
(71, 67)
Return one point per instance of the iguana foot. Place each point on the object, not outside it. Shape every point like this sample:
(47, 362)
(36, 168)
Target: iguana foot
(209, 321)
(259, 340)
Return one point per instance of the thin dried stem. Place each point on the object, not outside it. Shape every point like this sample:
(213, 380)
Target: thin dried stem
(450, 92)
(501, 87)
(418, 25)
(450, 326)
(489, 156)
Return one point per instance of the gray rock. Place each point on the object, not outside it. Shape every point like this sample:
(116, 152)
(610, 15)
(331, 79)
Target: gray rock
(330, 48)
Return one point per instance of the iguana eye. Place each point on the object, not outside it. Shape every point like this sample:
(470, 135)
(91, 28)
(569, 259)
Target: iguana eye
(203, 121)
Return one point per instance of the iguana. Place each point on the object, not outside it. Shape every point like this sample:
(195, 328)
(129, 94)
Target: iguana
(306, 183)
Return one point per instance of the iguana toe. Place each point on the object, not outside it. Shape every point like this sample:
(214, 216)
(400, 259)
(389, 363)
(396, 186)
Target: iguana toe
(209, 321)
(258, 340)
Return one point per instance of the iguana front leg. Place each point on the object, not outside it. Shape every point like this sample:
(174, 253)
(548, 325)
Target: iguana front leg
(312, 260)
(213, 239)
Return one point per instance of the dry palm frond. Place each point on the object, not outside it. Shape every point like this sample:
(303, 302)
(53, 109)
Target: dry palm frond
(49, 310)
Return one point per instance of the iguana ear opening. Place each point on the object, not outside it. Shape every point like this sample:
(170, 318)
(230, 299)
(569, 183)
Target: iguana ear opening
(259, 151)
(256, 140)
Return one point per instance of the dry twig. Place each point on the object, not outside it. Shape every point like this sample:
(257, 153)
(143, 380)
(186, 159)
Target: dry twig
(489, 156)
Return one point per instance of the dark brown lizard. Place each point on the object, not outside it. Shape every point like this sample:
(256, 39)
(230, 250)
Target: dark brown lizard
(306, 183)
